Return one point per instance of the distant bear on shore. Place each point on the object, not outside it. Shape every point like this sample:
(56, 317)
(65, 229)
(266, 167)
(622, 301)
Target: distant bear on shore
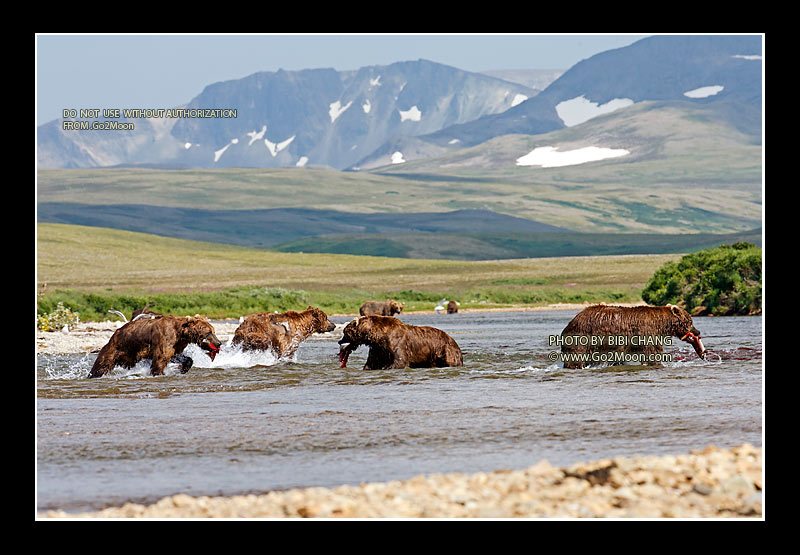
(381, 308)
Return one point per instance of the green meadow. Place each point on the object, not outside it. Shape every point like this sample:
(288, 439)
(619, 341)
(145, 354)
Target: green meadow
(92, 270)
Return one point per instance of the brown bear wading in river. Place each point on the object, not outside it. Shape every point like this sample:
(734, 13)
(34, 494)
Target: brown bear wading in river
(601, 322)
(388, 307)
(393, 344)
(158, 338)
(281, 333)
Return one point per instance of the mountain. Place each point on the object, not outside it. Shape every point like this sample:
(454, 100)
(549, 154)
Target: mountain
(724, 70)
(319, 117)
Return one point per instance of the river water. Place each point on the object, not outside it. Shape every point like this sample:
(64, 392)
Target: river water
(244, 424)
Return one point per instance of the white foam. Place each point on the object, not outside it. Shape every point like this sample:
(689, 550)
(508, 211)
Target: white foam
(748, 56)
(579, 109)
(231, 356)
(550, 157)
(187, 146)
(704, 92)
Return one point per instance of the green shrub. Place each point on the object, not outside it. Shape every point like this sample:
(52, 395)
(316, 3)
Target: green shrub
(725, 280)
(57, 319)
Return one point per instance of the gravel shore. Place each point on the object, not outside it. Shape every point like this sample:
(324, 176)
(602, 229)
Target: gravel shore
(709, 483)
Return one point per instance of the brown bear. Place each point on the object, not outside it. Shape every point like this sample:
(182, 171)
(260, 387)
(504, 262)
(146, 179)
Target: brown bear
(642, 330)
(280, 333)
(159, 338)
(393, 344)
(381, 308)
(452, 307)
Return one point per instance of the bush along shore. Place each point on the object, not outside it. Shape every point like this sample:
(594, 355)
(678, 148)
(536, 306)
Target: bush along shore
(709, 483)
(724, 281)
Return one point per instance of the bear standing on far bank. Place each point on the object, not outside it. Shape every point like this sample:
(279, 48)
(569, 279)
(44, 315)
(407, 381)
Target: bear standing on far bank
(381, 308)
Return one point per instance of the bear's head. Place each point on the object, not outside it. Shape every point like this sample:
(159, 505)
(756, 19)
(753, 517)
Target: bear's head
(395, 307)
(199, 331)
(321, 323)
(356, 333)
(681, 325)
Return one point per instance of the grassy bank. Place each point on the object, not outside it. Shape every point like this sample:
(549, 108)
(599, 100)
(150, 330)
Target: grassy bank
(93, 269)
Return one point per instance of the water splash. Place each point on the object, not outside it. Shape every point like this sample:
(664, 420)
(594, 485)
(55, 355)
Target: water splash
(233, 356)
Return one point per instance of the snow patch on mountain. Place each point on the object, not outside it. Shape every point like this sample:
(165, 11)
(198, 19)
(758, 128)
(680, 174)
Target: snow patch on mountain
(256, 136)
(275, 148)
(220, 152)
(336, 109)
(579, 109)
(518, 99)
(412, 114)
(550, 157)
(704, 92)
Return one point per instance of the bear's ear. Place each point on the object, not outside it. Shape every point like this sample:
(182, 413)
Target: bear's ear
(675, 310)
(310, 307)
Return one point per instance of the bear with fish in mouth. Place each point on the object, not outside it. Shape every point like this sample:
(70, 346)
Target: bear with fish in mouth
(159, 338)
(603, 329)
(394, 344)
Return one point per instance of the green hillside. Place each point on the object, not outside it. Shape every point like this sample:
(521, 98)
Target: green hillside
(490, 246)
(92, 269)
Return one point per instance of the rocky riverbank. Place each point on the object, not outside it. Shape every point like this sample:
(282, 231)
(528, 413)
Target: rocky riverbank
(708, 483)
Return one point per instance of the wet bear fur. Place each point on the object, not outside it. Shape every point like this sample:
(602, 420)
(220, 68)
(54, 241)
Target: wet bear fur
(602, 321)
(394, 344)
(280, 333)
(388, 307)
(159, 338)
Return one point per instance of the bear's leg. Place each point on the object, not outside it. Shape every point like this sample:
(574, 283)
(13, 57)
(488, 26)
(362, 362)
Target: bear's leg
(160, 360)
(185, 361)
(104, 363)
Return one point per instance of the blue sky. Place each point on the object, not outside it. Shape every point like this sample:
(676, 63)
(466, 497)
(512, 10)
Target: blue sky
(163, 71)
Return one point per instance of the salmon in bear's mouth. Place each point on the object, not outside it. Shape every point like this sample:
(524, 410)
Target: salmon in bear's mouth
(695, 342)
(344, 353)
(211, 350)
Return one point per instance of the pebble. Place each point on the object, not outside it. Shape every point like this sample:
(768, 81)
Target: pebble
(624, 487)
